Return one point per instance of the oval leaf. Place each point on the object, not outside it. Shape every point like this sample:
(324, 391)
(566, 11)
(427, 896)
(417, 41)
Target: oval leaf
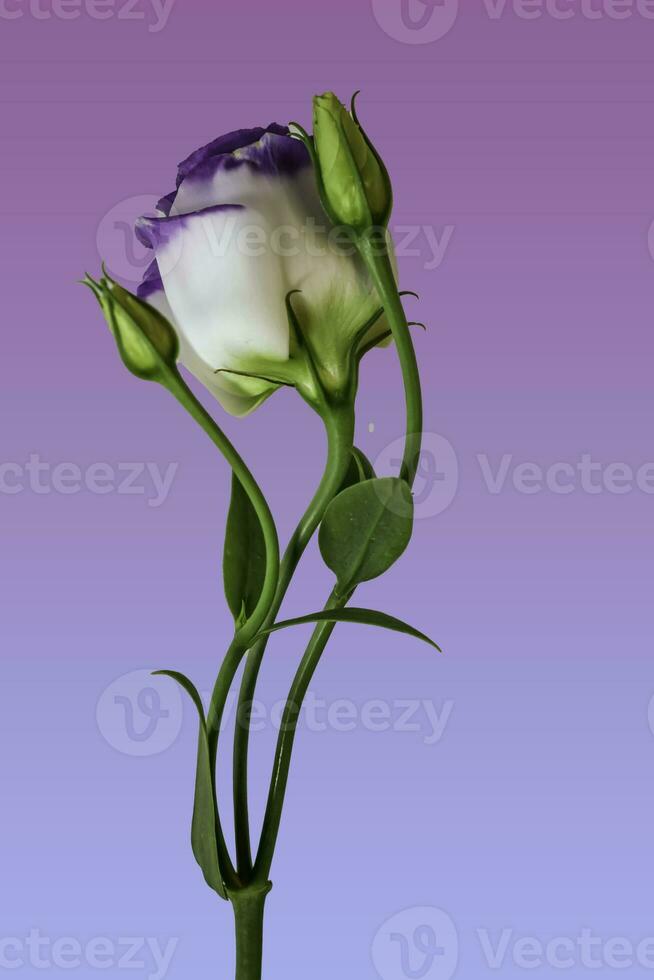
(367, 617)
(365, 530)
(244, 558)
(204, 828)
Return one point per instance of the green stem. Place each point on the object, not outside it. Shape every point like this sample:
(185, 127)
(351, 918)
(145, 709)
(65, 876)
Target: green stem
(286, 739)
(381, 270)
(219, 695)
(248, 905)
(339, 424)
(178, 387)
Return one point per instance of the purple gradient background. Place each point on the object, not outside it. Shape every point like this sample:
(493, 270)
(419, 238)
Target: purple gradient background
(535, 140)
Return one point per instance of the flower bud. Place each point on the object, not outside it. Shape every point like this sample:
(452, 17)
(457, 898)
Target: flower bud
(354, 184)
(146, 341)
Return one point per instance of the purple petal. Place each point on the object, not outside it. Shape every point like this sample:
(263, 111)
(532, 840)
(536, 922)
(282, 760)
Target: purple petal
(154, 232)
(270, 151)
(165, 203)
(225, 144)
(152, 282)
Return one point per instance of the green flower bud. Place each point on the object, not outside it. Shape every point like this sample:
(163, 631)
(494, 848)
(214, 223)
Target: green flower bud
(354, 184)
(146, 341)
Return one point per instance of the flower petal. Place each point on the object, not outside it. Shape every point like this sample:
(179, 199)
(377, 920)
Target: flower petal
(242, 142)
(226, 293)
(244, 175)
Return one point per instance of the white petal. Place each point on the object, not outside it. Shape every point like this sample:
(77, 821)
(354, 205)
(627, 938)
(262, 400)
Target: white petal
(226, 291)
(229, 395)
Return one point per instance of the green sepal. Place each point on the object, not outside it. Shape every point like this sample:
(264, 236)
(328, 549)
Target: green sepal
(273, 372)
(244, 556)
(365, 530)
(206, 836)
(385, 218)
(295, 372)
(365, 617)
(362, 333)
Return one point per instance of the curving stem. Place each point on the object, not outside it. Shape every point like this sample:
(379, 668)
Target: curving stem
(238, 648)
(181, 391)
(375, 255)
(286, 739)
(339, 424)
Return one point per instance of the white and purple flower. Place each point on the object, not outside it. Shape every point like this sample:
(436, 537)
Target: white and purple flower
(243, 229)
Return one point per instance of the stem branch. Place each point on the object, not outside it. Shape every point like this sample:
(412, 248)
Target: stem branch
(339, 424)
(286, 739)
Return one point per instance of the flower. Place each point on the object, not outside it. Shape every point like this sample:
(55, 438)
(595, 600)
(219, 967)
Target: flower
(242, 230)
(355, 186)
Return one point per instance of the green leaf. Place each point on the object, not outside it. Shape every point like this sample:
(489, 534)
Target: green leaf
(365, 530)
(367, 617)
(204, 828)
(244, 558)
(360, 469)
